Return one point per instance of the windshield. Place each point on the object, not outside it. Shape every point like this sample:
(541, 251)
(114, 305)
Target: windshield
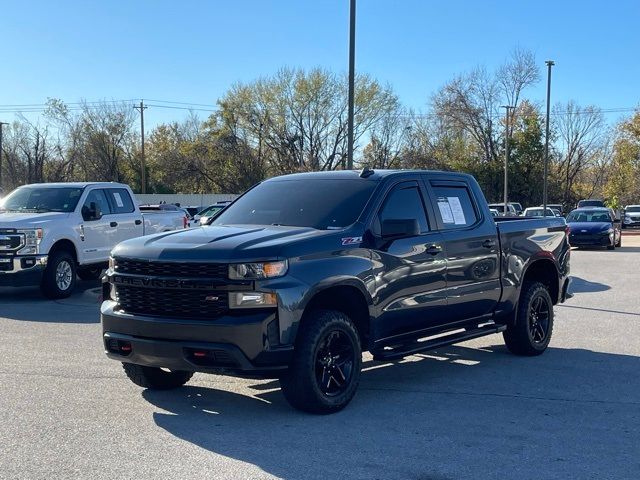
(317, 203)
(588, 216)
(632, 209)
(41, 199)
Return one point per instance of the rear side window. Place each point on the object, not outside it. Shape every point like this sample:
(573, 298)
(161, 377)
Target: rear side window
(404, 202)
(455, 207)
(120, 200)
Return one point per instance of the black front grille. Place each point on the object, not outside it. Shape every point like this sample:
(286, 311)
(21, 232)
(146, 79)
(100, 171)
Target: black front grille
(171, 269)
(10, 242)
(171, 303)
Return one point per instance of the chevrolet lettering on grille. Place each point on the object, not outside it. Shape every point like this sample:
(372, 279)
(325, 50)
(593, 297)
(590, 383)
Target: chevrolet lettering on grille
(163, 283)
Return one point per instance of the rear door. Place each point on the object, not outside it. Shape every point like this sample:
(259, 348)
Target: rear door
(128, 221)
(472, 249)
(410, 277)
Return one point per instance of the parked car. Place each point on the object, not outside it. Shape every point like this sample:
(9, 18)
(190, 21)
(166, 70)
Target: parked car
(556, 212)
(50, 232)
(302, 273)
(494, 212)
(556, 206)
(590, 203)
(206, 215)
(631, 217)
(511, 211)
(517, 207)
(595, 227)
(539, 212)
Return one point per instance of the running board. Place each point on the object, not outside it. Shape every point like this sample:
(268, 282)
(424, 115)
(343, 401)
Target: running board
(416, 347)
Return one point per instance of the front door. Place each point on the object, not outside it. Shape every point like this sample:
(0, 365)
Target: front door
(410, 272)
(97, 233)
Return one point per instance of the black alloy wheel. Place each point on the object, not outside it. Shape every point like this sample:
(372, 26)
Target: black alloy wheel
(335, 359)
(539, 320)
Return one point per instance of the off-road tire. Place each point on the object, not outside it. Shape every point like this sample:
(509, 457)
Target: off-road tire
(155, 378)
(518, 336)
(50, 285)
(301, 385)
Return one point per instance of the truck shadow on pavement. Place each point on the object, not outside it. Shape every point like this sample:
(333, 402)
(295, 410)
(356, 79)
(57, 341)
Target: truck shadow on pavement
(450, 414)
(28, 304)
(580, 285)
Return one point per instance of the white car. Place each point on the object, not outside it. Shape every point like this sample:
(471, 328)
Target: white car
(631, 216)
(50, 232)
(538, 212)
(511, 211)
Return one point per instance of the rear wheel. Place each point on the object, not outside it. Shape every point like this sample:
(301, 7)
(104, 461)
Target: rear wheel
(530, 333)
(325, 371)
(59, 277)
(156, 378)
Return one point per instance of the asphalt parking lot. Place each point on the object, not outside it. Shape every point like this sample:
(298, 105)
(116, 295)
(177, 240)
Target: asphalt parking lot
(471, 411)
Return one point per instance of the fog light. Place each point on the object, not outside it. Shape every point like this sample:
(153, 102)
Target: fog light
(252, 299)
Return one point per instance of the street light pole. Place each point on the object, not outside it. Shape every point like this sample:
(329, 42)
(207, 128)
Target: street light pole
(352, 55)
(550, 64)
(508, 109)
(143, 176)
(1, 125)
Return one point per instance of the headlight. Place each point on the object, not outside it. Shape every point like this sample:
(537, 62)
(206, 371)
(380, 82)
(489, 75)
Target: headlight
(627, 218)
(256, 271)
(32, 239)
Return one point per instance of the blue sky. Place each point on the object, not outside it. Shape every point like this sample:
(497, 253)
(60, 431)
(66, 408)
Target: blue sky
(192, 51)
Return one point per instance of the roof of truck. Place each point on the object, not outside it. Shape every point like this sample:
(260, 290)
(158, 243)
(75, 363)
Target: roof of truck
(375, 174)
(77, 184)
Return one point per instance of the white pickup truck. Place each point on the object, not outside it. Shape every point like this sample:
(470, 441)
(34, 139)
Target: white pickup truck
(49, 232)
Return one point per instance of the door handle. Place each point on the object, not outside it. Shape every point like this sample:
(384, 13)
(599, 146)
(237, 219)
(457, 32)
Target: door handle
(113, 224)
(434, 250)
(138, 222)
(489, 244)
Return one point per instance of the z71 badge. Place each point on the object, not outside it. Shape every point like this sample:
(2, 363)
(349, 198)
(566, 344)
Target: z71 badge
(351, 240)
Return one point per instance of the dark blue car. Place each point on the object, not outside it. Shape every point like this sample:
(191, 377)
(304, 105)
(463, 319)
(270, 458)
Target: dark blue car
(594, 227)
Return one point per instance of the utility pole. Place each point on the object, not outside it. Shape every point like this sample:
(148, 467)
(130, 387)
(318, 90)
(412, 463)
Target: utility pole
(1, 125)
(508, 109)
(352, 61)
(142, 108)
(550, 64)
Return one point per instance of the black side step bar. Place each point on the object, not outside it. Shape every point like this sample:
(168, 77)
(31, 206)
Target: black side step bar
(417, 347)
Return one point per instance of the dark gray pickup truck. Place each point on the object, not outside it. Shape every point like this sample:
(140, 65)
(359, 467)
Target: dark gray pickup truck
(302, 273)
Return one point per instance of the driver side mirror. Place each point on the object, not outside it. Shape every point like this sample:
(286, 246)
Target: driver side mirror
(92, 212)
(401, 228)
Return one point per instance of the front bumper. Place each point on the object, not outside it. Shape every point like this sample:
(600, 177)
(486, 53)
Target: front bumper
(589, 240)
(242, 344)
(22, 271)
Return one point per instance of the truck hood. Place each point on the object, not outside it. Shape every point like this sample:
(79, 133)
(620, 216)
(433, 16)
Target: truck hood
(590, 227)
(219, 243)
(30, 220)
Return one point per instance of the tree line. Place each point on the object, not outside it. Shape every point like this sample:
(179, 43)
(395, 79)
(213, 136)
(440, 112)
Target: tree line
(296, 120)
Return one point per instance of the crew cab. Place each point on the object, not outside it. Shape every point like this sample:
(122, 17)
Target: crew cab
(304, 272)
(49, 232)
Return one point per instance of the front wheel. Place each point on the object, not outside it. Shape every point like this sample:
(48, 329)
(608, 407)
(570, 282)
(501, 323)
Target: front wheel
(325, 371)
(530, 334)
(59, 278)
(156, 378)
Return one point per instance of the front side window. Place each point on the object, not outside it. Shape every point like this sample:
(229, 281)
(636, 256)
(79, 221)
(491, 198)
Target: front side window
(96, 204)
(455, 207)
(404, 203)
